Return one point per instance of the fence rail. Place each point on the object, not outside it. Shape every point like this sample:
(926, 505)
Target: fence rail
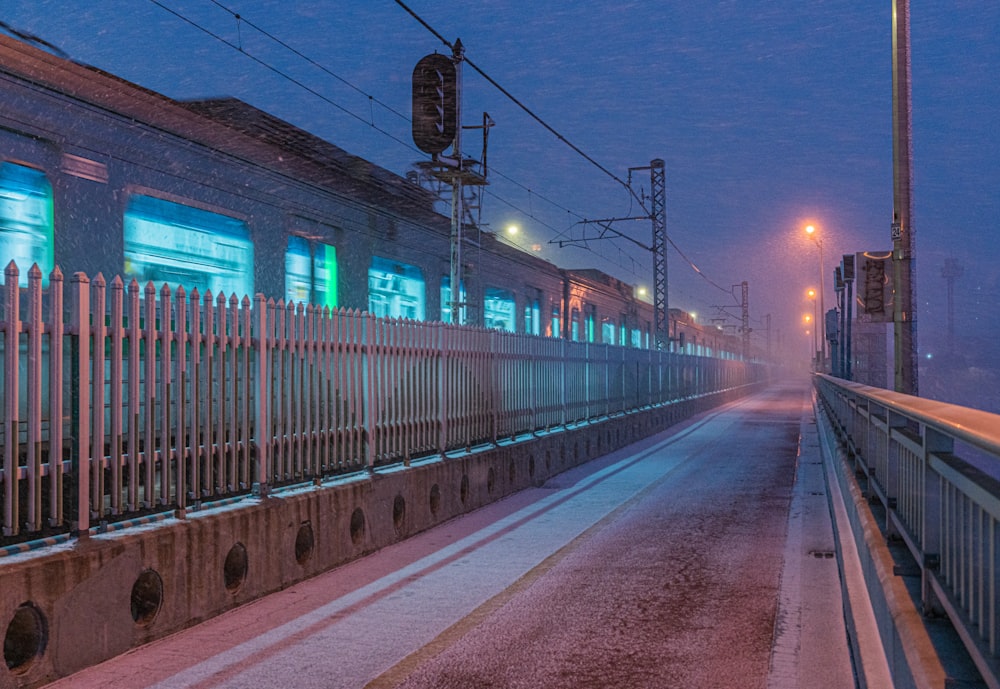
(123, 400)
(934, 467)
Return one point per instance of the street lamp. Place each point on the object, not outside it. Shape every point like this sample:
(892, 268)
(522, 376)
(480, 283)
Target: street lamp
(811, 293)
(811, 231)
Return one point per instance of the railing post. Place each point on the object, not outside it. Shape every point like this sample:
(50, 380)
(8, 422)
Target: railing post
(11, 364)
(262, 398)
(80, 395)
(934, 443)
(34, 372)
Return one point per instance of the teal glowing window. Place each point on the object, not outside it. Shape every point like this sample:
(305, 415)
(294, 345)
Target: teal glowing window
(395, 290)
(25, 220)
(499, 309)
(167, 242)
(446, 300)
(608, 332)
(310, 272)
(556, 322)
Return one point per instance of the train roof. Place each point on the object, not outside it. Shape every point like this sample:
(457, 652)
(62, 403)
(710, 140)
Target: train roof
(212, 122)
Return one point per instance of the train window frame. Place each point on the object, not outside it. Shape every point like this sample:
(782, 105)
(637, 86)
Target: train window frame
(311, 272)
(40, 197)
(499, 309)
(225, 247)
(396, 289)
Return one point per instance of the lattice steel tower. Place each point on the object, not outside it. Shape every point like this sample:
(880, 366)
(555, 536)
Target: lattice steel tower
(661, 314)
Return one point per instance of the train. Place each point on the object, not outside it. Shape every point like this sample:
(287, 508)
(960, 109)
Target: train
(99, 175)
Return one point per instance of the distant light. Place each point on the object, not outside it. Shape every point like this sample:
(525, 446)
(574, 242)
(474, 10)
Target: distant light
(536, 247)
(811, 293)
(929, 355)
(693, 315)
(642, 291)
(512, 230)
(810, 229)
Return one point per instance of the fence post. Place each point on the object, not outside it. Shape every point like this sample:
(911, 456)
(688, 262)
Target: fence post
(80, 395)
(262, 396)
(934, 443)
(11, 363)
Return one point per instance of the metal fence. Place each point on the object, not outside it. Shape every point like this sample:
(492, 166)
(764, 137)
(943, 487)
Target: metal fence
(933, 467)
(120, 401)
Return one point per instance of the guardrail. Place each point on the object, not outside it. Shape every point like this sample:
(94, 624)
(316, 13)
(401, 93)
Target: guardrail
(127, 401)
(933, 467)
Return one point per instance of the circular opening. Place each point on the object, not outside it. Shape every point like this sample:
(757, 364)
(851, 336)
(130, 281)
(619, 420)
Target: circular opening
(357, 526)
(490, 480)
(435, 498)
(463, 490)
(304, 543)
(512, 471)
(25, 638)
(147, 596)
(234, 570)
(398, 512)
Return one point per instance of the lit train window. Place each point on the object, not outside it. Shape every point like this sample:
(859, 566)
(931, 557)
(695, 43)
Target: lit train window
(533, 314)
(167, 242)
(395, 290)
(446, 300)
(499, 309)
(25, 220)
(608, 331)
(310, 272)
(637, 338)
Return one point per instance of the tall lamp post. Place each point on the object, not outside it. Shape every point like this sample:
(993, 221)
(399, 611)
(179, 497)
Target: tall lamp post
(821, 326)
(811, 293)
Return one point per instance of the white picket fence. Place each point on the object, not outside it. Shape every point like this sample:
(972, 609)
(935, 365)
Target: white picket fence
(124, 400)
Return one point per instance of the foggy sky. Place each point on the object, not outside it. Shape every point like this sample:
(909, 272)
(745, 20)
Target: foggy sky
(769, 116)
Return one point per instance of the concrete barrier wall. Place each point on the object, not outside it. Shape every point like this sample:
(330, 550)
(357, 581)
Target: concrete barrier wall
(69, 606)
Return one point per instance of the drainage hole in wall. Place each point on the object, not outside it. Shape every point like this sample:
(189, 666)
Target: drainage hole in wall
(435, 498)
(398, 512)
(304, 543)
(490, 480)
(25, 639)
(357, 526)
(234, 570)
(147, 597)
(463, 490)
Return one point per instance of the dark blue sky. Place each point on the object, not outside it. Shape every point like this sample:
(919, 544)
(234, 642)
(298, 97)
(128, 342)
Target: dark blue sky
(769, 115)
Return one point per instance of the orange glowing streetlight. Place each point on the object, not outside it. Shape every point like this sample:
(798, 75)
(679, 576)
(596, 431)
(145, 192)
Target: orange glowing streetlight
(811, 293)
(821, 350)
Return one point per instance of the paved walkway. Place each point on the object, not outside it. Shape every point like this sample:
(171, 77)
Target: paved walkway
(691, 559)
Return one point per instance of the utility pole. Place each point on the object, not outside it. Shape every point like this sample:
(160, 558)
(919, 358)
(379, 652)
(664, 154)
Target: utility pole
(657, 186)
(746, 320)
(903, 246)
(457, 213)
(951, 271)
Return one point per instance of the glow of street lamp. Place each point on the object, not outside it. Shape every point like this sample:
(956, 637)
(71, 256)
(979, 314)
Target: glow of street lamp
(513, 230)
(810, 229)
(811, 293)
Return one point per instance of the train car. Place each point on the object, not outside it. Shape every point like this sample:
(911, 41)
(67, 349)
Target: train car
(99, 175)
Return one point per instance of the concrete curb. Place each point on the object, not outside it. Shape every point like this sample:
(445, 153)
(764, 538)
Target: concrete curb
(909, 655)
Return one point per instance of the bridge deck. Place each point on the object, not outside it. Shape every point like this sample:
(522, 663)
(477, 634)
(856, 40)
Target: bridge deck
(696, 558)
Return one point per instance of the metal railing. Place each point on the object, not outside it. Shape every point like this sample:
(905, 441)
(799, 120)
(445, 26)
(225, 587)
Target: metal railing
(934, 468)
(127, 401)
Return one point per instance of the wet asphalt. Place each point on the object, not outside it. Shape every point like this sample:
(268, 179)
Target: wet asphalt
(701, 557)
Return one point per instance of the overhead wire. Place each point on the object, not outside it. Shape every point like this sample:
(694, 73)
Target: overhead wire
(375, 101)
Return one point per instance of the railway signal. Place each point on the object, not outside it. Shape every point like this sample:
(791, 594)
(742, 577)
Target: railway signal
(435, 103)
